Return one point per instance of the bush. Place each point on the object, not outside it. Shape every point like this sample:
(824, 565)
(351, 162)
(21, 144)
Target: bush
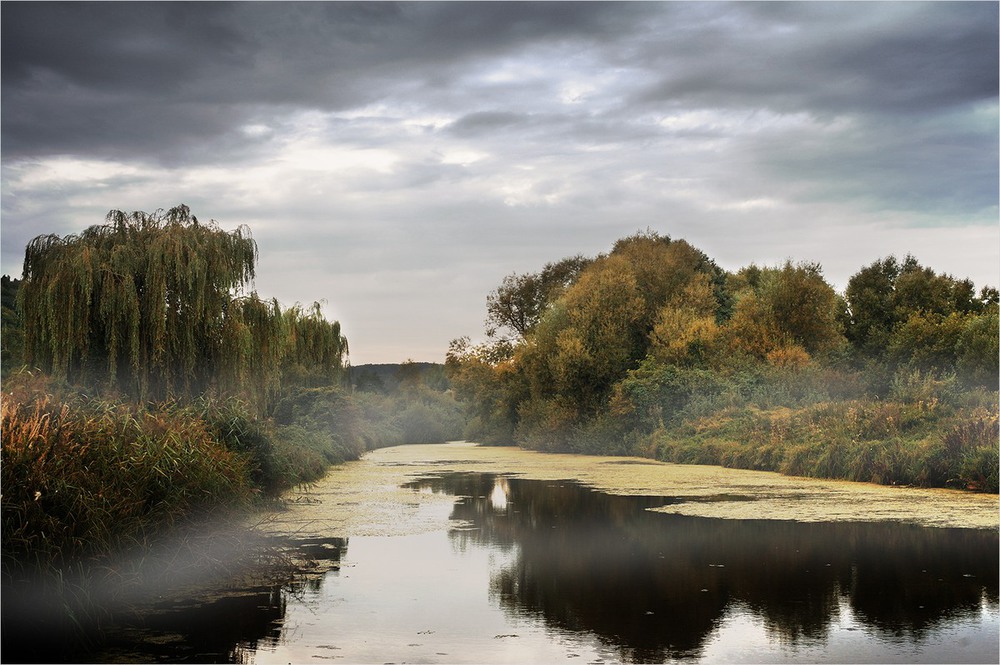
(329, 413)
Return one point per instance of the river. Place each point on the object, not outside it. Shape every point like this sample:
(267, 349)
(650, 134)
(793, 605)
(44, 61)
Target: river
(461, 553)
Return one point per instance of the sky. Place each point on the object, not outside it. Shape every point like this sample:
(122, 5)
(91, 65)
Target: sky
(395, 161)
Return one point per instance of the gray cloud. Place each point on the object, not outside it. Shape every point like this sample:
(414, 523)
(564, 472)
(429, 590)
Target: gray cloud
(119, 76)
(399, 159)
(902, 57)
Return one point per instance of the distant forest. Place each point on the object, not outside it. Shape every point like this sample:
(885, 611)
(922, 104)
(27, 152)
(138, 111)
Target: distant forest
(388, 377)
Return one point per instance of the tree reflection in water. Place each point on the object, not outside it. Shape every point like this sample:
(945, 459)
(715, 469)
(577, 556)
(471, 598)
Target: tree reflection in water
(656, 585)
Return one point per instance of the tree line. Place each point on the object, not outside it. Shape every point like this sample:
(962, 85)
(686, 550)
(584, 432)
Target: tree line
(630, 351)
(157, 305)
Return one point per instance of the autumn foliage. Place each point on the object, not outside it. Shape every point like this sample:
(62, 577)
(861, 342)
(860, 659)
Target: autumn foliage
(652, 349)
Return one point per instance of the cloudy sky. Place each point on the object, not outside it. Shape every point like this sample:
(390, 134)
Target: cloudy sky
(397, 160)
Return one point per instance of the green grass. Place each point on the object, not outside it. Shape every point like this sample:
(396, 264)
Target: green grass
(922, 443)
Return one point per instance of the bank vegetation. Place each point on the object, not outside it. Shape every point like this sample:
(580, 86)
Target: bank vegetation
(653, 350)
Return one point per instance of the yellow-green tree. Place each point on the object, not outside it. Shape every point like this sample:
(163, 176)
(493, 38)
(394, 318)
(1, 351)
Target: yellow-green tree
(650, 294)
(155, 305)
(785, 315)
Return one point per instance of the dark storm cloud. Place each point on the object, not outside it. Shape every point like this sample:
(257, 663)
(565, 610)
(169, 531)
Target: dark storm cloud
(829, 57)
(159, 80)
(116, 47)
(117, 77)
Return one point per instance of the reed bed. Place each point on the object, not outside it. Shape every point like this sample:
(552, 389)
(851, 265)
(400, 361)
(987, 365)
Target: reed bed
(105, 501)
(84, 478)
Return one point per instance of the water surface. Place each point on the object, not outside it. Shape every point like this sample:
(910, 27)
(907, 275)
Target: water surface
(529, 570)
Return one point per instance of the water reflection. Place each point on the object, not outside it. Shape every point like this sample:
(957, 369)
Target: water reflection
(658, 585)
(542, 571)
(214, 625)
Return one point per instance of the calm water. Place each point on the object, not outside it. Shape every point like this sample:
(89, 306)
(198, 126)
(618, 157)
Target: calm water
(534, 571)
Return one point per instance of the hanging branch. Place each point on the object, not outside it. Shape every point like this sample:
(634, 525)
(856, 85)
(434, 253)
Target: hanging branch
(153, 305)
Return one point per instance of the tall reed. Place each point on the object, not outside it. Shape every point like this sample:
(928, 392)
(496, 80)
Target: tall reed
(85, 477)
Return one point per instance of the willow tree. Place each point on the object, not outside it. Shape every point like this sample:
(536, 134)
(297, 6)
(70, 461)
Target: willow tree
(315, 349)
(153, 305)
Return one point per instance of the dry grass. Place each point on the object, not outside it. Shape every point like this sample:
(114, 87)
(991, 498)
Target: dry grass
(85, 478)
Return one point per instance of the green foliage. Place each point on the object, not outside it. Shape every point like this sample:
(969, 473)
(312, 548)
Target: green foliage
(872, 308)
(431, 418)
(902, 443)
(90, 477)
(389, 377)
(910, 315)
(655, 393)
(152, 306)
(601, 326)
(520, 301)
(331, 413)
(486, 379)
(314, 350)
(144, 294)
(784, 312)
(11, 326)
(978, 347)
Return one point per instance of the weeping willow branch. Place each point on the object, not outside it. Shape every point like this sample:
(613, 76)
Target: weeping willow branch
(156, 305)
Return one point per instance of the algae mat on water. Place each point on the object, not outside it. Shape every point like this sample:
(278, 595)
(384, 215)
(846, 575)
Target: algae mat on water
(367, 497)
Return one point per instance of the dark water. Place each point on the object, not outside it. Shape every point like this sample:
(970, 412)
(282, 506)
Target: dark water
(535, 571)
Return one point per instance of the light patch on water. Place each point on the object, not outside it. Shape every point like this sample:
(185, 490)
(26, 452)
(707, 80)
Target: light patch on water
(387, 604)
(743, 637)
(498, 497)
(364, 498)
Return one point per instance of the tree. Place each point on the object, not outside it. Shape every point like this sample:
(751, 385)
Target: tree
(154, 305)
(885, 295)
(871, 314)
(520, 300)
(484, 377)
(315, 350)
(11, 327)
(665, 268)
(589, 337)
(686, 328)
(786, 311)
(804, 306)
(978, 348)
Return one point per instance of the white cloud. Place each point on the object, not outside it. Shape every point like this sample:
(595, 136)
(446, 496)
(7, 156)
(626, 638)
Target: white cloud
(61, 170)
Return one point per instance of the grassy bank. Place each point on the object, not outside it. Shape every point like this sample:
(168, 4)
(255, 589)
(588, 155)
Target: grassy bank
(928, 431)
(83, 478)
(889, 443)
